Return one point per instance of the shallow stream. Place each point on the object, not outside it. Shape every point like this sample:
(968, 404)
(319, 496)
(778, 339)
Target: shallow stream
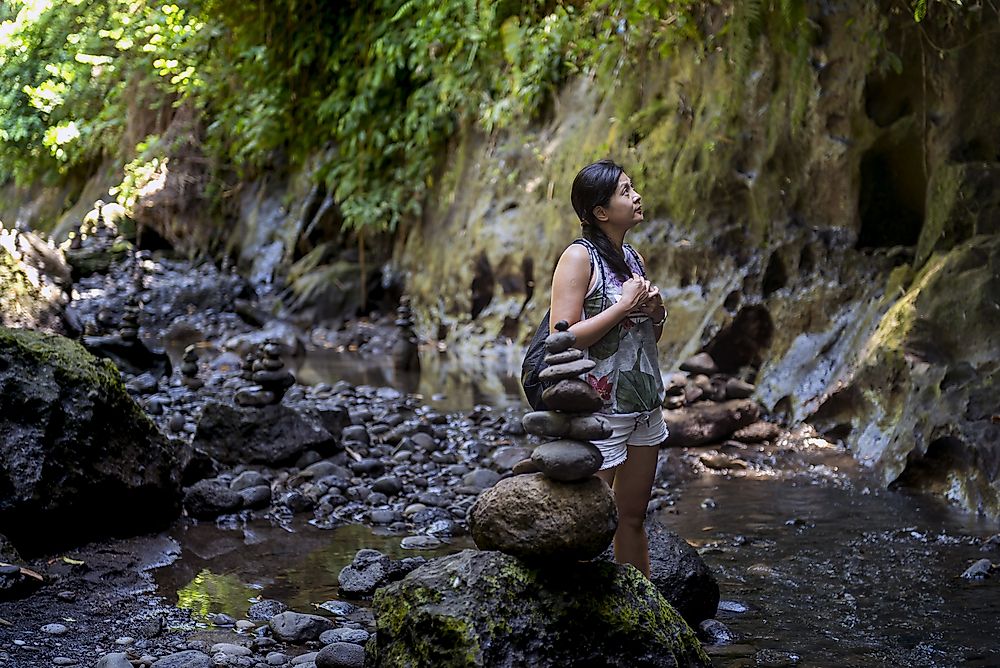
(817, 565)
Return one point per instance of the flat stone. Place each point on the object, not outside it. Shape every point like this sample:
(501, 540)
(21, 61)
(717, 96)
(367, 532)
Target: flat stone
(560, 341)
(55, 629)
(588, 428)
(567, 460)
(571, 355)
(246, 480)
(480, 478)
(421, 543)
(546, 423)
(568, 370)
(573, 396)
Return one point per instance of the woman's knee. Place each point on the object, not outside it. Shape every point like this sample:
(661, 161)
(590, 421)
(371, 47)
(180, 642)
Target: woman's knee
(631, 520)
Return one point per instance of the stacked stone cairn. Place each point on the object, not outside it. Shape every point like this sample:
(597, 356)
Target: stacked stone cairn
(270, 377)
(558, 509)
(405, 351)
(129, 327)
(189, 369)
(246, 368)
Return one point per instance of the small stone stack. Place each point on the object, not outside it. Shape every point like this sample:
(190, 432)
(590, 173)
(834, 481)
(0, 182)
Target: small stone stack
(270, 373)
(571, 456)
(405, 351)
(246, 368)
(564, 511)
(129, 328)
(189, 369)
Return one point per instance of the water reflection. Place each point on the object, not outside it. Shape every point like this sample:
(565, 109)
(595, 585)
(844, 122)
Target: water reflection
(226, 570)
(446, 381)
(841, 577)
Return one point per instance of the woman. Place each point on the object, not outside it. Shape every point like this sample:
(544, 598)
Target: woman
(617, 316)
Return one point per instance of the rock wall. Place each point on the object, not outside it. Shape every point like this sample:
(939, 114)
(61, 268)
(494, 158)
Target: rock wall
(794, 207)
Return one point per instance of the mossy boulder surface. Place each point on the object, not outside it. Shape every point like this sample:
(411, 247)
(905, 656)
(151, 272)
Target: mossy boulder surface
(491, 609)
(78, 458)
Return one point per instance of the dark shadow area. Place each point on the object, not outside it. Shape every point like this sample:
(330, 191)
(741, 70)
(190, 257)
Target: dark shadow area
(483, 285)
(775, 276)
(744, 341)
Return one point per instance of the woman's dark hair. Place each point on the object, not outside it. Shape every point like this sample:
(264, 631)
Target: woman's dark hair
(593, 187)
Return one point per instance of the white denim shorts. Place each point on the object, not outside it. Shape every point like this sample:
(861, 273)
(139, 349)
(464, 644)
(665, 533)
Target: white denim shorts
(644, 429)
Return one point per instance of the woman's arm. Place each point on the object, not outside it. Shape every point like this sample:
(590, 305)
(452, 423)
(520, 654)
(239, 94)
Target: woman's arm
(653, 306)
(569, 288)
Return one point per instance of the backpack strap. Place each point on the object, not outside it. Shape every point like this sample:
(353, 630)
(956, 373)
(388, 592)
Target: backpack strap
(595, 259)
(638, 260)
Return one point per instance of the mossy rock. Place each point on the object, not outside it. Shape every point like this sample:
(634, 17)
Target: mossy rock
(491, 609)
(78, 457)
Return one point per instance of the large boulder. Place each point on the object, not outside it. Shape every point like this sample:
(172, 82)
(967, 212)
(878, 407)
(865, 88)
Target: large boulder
(681, 575)
(78, 457)
(535, 518)
(272, 435)
(491, 609)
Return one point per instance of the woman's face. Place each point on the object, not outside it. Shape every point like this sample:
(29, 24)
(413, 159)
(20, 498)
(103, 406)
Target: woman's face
(625, 207)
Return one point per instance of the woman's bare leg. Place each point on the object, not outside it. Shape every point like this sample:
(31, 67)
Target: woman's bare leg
(633, 481)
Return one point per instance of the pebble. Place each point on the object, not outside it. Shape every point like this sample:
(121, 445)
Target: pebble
(54, 629)
(64, 661)
(421, 543)
(309, 657)
(231, 649)
(276, 659)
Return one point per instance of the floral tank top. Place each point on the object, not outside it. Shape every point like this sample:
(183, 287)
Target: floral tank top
(627, 375)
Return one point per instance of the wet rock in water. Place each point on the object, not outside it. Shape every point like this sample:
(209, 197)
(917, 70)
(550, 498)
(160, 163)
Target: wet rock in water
(208, 499)
(505, 613)
(261, 611)
(978, 571)
(701, 363)
(298, 628)
(297, 502)
(187, 659)
(714, 632)
(368, 570)
(356, 636)
(81, 457)
(341, 655)
(271, 435)
(229, 649)
(532, 517)
(708, 422)
(114, 660)
(567, 460)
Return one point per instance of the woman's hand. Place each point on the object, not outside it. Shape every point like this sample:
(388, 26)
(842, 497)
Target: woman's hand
(635, 291)
(652, 307)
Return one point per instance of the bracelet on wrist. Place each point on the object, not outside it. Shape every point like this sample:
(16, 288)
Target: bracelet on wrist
(663, 319)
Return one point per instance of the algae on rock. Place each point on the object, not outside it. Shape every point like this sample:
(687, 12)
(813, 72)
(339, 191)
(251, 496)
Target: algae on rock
(489, 609)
